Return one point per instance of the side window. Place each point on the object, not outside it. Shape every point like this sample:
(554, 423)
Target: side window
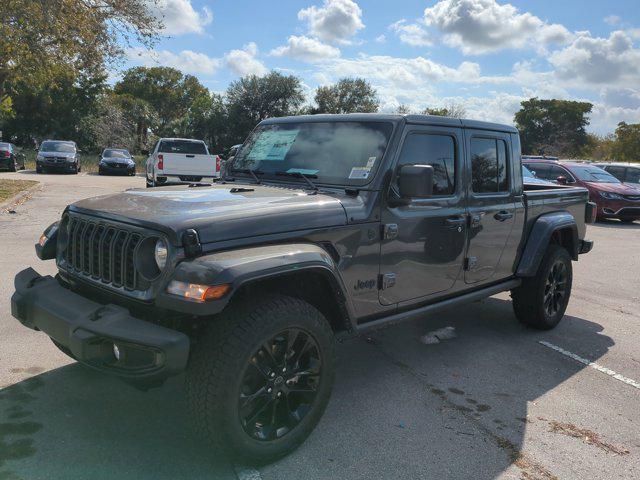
(439, 151)
(540, 170)
(489, 169)
(633, 175)
(617, 172)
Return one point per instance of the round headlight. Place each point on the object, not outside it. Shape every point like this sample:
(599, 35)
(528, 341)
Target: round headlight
(161, 253)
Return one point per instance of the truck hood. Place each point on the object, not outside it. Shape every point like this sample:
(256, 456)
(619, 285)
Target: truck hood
(219, 212)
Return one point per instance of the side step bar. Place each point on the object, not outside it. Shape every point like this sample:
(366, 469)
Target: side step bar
(443, 305)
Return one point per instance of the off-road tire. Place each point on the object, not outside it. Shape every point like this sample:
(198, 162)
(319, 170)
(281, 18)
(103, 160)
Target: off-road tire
(221, 355)
(529, 297)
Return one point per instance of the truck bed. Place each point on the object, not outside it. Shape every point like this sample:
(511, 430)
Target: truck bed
(541, 199)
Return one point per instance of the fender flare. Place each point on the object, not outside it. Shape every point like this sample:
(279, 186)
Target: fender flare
(539, 237)
(243, 266)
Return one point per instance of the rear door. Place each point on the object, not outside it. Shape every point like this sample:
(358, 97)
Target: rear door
(184, 157)
(423, 243)
(491, 204)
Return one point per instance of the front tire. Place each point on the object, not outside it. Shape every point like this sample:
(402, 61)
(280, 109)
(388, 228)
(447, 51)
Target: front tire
(541, 301)
(260, 378)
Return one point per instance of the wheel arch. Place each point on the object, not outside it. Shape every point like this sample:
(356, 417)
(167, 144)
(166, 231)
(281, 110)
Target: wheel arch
(558, 228)
(302, 270)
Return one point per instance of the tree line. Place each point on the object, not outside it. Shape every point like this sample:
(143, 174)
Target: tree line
(54, 64)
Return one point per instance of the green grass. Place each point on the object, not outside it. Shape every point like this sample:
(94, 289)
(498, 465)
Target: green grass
(88, 161)
(9, 188)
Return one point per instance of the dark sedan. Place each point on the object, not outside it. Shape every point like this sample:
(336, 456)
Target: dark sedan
(10, 158)
(116, 161)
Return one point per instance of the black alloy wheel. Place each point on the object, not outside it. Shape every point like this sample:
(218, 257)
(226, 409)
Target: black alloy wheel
(279, 384)
(556, 288)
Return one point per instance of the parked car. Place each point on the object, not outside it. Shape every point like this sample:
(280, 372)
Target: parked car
(116, 161)
(10, 157)
(181, 160)
(530, 179)
(625, 172)
(613, 198)
(58, 155)
(327, 226)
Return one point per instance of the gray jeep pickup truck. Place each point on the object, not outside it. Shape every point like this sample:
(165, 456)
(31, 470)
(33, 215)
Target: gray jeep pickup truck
(323, 226)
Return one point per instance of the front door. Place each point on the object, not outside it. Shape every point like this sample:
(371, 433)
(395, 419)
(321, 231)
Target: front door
(423, 243)
(491, 205)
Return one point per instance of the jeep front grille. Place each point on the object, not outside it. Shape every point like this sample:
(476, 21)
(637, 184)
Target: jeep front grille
(103, 252)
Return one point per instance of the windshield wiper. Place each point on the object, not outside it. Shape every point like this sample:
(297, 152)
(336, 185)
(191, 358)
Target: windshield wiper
(300, 175)
(249, 171)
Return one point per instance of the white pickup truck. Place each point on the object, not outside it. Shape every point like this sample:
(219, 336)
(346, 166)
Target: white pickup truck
(180, 160)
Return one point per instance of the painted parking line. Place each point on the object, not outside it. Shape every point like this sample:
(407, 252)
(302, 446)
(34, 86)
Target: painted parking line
(244, 473)
(591, 364)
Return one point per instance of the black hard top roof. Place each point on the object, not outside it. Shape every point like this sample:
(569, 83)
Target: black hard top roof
(396, 118)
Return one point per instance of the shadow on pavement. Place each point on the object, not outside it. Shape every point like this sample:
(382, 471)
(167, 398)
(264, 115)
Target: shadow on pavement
(400, 409)
(72, 423)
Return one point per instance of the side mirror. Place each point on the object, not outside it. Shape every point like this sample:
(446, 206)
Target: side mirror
(144, 152)
(562, 180)
(415, 181)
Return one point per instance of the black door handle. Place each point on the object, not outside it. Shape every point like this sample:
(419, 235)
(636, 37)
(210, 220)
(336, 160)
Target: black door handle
(190, 155)
(503, 215)
(455, 222)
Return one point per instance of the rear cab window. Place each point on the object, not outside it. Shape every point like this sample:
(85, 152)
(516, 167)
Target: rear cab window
(182, 146)
(489, 165)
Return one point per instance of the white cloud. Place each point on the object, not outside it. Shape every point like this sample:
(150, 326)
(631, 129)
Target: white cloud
(244, 62)
(483, 26)
(306, 49)
(381, 39)
(411, 33)
(187, 61)
(598, 61)
(336, 21)
(612, 19)
(179, 17)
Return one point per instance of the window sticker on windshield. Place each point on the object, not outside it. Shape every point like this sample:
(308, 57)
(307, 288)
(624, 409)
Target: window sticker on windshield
(304, 171)
(272, 145)
(359, 173)
(371, 162)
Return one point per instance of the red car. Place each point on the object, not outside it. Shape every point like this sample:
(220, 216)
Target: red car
(613, 198)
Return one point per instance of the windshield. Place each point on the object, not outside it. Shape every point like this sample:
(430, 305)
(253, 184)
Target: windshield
(593, 174)
(344, 153)
(111, 153)
(182, 146)
(57, 147)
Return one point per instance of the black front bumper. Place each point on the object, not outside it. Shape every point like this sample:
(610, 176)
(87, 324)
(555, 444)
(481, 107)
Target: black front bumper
(116, 170)
(149, 353)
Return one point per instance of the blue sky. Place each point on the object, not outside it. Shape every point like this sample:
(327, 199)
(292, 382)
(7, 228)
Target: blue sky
(486, 55)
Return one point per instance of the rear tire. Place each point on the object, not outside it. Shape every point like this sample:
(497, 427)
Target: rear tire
(38, 169)
(13, 167)
(541, 301)
(260, 377)
(627, 220)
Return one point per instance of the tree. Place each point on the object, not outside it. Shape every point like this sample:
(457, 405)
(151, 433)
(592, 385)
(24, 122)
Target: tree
(107, 126)
(39, 39)
(251, 99)
(627, 142)
(403, 109)
(349, 95)
(454, 110)
(170, 93)
(553, 127)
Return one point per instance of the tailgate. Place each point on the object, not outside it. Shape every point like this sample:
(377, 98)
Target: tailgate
(189, 164)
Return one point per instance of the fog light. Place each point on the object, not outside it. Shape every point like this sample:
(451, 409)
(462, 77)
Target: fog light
(116, 351)
(43, 240)
(194, 291)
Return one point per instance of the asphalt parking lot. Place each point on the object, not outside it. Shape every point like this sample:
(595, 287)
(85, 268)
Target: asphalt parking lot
(494, 402)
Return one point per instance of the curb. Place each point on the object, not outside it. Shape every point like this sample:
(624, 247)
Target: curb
(19, 198)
